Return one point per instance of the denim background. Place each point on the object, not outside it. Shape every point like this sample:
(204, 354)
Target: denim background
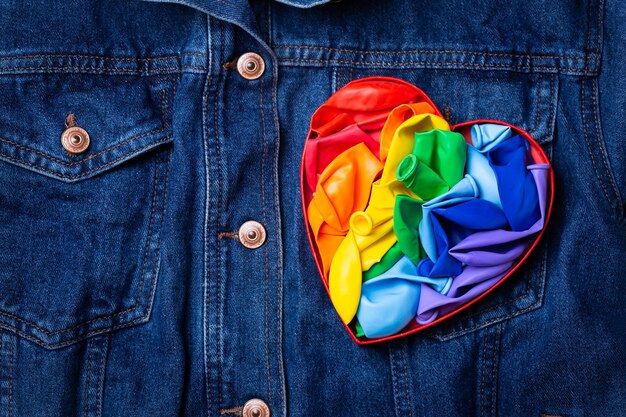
(124, 290)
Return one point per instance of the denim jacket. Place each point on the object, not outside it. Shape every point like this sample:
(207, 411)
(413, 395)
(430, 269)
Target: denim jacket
(128, 289)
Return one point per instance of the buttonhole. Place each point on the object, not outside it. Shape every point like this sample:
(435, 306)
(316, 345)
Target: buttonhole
(229, 65)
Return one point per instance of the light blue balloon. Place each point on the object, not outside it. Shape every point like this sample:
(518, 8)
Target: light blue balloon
(478, 167)
(389, 301)
(486, 136)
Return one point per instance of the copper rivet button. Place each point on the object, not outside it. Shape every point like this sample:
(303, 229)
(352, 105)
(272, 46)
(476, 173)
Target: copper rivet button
(75, 140)
(252, 234)
(250, 66)
(256, 408)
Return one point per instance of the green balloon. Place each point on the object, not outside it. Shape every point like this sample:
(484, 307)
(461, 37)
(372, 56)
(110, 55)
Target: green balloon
(407, 215)
(436, 164)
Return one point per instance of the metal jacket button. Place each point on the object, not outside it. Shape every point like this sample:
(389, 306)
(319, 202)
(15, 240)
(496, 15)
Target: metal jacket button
(250, 66)
(256, 408)
(75, 140)
(252, 234)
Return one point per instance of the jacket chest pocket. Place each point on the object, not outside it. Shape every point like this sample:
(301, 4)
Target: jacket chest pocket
(80, 222)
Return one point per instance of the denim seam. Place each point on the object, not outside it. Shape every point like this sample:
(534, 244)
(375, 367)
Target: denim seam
(11, 343)
(495, 368)
(394, 380)
(207, 290)
(103, 354)
(589, 148)
(512, 313)
(482, 373)
(60, 161)
(267, 270)
(100, 347)
(550, 130)
(218, 274)
(549, 124)
(406, 379)
(427, 51)
(399, 370)
(596, 50)
(96, 331)
(98, 168)
(100, 64)
(87, 376)
(279, 257)
(601, 146)
(101, 57)
(435, 64)
(488, 394)
(1, 363)
(539, 90)
(71, 341)
(89, 69)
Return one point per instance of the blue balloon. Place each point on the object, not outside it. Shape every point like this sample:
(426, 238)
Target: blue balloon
(454, 223)
(516, 185)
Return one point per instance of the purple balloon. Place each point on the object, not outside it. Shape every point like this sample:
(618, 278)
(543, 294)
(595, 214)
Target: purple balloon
(488, 256)
(472, 282)
(494, 247)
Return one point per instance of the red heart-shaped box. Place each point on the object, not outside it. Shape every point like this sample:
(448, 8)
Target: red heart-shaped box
(538, 156)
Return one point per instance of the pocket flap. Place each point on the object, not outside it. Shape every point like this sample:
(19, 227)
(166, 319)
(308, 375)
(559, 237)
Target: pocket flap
(123, 116)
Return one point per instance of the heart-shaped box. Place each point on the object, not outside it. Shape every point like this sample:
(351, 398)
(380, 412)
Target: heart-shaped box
(391, 93)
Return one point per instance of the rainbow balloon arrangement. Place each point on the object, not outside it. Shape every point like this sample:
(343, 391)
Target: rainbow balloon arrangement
(410, 219)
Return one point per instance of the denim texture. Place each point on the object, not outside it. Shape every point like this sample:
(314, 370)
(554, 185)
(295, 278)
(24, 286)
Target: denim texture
(124, 290)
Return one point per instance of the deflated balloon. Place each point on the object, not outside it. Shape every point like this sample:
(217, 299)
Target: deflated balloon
(344, 278)
(486, 136)
(495, 247)
(389, 302)
(488, 256)
(322, 151)
(516, 185)
(453, 223)
(403, 141)
(388, 260)
(472, 282)
(407, 216)
(464, 190)
(370, 236)
(364, 102)
(478, 167)
(343, 188)
(354, 114)
(398, 116)
(436, 163)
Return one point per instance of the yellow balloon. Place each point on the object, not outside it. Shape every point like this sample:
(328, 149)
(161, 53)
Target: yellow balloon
(370, 237)
(344, 278)
(404, 140)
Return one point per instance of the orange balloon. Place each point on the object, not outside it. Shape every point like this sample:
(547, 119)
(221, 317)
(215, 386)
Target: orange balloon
(343, 188)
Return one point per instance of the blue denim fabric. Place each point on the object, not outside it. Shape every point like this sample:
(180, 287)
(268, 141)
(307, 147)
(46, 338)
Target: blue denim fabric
(124, 290)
